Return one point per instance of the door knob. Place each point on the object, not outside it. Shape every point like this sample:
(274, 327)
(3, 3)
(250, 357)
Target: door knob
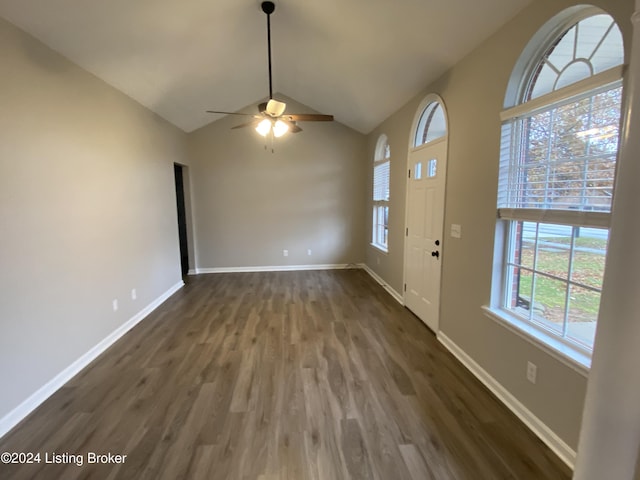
(435, 254)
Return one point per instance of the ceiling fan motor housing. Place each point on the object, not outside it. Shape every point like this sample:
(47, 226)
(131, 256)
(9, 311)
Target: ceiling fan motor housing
(268, 7)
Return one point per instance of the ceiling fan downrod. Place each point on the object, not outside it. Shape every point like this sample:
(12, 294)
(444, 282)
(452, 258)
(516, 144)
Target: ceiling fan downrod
(269, 8)
(271, 118)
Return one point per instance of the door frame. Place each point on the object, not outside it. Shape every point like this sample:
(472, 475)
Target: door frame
(427, 100)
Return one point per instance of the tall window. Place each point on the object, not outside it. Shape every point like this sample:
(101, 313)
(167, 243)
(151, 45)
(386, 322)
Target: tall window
(381, 174)
(557, 166)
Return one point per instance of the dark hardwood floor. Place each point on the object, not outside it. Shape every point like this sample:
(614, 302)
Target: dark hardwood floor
(273, 376)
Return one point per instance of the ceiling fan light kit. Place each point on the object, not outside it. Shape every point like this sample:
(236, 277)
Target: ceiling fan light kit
(280, 128)
(271, 117)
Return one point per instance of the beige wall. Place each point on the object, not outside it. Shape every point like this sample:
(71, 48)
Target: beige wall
(390, 265)
(87, 212)
(473, 92)
(251, 204)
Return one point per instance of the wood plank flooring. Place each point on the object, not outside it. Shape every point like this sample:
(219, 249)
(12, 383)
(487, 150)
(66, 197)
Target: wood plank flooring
(277, 376)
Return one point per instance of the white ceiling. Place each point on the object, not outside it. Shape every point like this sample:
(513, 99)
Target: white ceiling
(359, 60)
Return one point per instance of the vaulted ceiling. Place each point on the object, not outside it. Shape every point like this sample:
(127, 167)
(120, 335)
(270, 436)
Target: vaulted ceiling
(359, 60)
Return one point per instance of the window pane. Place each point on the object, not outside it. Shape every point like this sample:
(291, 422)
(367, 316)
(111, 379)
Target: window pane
(418, 171)
(432, 124)
(380, 225)
(534, 189)
(591, 46)
(537, 129)
(561, 54)
(432, 168)
(600, 40)
(522, 244)
(385, 226)
(544, 81)
(567, 156)
(590, 33)
(527, 243)
(583, 313)
(519, 294)
(589, 256)
(554, 250)
(548, 305)
(381, 173)
(573, 73)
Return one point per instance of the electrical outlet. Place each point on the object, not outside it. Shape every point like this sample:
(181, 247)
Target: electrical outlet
(285, 253)
(532, 372)
(309, 252)
(115, 305)
(134, 294)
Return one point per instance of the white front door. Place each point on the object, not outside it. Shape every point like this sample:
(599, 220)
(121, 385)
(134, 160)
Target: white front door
(423, 259)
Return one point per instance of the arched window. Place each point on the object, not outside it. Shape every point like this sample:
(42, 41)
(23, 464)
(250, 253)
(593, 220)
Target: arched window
(381, 177)
(432, 124)
(591, 46)
(557, 167)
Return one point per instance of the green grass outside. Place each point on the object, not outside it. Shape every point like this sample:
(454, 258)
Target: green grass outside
(588, 268)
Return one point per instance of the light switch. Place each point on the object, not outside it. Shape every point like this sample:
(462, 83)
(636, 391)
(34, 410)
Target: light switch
(456, 230)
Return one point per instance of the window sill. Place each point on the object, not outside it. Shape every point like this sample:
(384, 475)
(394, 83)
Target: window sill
(571, 357)
(378, 247)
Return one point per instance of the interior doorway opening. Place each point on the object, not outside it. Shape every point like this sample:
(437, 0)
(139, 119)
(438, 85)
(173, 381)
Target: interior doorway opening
(181, 205)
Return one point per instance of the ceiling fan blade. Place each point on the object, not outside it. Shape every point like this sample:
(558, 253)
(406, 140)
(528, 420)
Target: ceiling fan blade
(232, 113)
(309, 117)
(247, 124)
(275, 108)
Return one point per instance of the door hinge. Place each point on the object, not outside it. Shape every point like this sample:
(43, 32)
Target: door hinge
(409, 173)
(407, 232)
(405, 287)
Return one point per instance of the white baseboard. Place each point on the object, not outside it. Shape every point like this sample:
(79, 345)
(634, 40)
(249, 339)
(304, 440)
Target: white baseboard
(399, 298)
(192, 271)
(537, 426)
(31, 403)
(277, 268)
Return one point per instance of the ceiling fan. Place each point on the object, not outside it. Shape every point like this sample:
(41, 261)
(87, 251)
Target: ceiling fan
(271, 116)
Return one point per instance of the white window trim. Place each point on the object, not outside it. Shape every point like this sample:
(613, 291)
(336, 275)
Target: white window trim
(429, 144)
(570, 355)
(561, 217)
(380, 248)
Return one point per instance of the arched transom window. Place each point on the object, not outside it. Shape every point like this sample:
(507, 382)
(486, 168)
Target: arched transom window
(432, 124)
(591, 46)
